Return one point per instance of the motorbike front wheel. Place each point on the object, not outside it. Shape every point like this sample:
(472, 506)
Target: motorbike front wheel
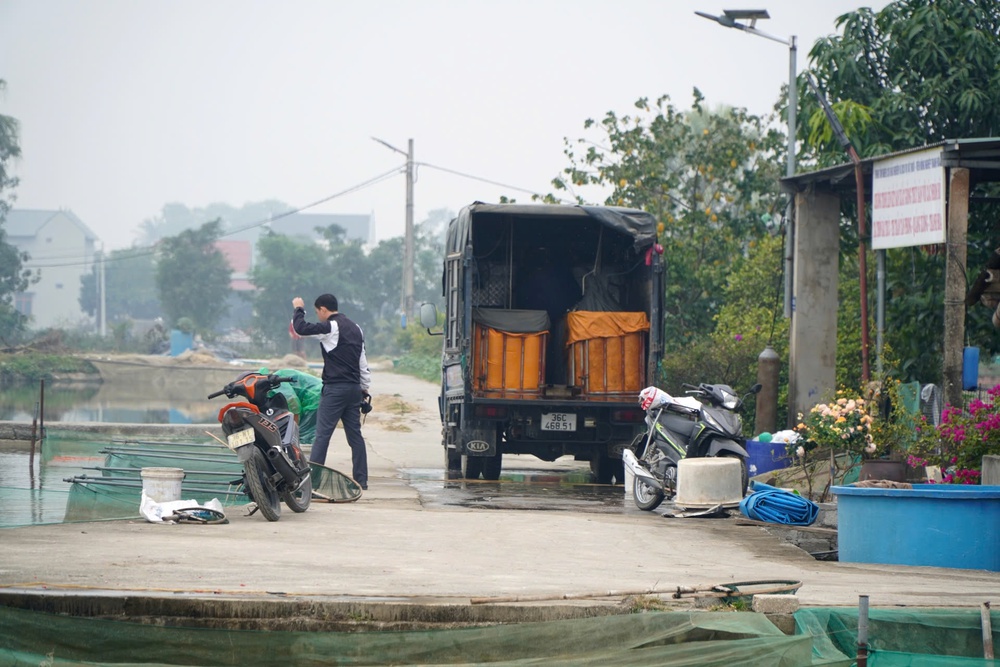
(256, 473)
(744, 474)
(298, 500)
(647, 498)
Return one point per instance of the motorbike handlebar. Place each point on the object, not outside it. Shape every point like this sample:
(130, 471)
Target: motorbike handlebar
(217, 393)
(288, 379)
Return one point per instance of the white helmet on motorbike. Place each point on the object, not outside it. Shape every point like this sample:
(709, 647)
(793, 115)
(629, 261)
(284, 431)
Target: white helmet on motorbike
(653, 397)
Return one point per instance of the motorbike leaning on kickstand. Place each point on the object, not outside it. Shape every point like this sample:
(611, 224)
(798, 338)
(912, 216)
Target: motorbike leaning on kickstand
(265, 436)
(706, 422)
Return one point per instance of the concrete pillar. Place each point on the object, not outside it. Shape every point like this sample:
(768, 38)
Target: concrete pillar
(768, 373)
(813, 337)
(991, 470)
(956, 253)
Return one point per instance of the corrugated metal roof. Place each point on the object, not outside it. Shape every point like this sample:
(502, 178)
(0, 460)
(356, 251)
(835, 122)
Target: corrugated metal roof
(979, 154)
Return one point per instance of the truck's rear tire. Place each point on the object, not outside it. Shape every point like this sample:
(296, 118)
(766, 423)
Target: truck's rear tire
(452, 463)
(607, 470)
(472, 466)
(491, 467)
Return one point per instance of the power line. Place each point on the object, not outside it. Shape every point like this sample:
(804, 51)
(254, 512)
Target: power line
(486, 180)
(151, 250)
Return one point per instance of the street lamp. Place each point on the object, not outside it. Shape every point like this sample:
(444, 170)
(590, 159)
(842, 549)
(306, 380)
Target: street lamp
(731, 19)
(407, 299)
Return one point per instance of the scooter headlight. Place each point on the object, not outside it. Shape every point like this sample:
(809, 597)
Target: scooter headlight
(712, 421)
(730, 401)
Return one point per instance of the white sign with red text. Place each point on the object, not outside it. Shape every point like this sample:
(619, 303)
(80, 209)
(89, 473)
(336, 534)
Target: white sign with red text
(908, 200)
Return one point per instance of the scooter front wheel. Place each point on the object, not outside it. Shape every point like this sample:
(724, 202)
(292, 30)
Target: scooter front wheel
(256, 472)
(647, 498)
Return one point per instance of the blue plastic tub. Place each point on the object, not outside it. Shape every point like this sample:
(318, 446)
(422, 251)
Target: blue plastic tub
(180, 342)
(765, 456)
(941, 525)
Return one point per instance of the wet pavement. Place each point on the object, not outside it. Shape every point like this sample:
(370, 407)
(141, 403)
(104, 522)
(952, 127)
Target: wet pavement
(543, 534)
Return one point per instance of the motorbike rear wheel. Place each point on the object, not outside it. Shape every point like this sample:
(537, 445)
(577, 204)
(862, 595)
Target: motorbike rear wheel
(647, 498)
(298, 500)
(258, 480)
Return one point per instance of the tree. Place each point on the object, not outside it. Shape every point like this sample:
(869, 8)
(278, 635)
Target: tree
(367, 285)
(710, 178)
(13, 277)
(192, 277)
(924, 70)
(284, 269)
(129, 285)
(915, 73)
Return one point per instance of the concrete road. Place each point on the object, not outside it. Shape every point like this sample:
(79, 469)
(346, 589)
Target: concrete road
(388, 545)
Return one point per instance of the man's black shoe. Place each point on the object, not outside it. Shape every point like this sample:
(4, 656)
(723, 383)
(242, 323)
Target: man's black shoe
(364, 486)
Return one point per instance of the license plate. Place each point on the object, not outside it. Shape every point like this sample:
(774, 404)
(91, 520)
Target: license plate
(559, 421)
(240, 438)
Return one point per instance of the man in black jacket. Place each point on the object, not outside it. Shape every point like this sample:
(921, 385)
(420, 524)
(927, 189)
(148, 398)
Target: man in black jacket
(346, 379)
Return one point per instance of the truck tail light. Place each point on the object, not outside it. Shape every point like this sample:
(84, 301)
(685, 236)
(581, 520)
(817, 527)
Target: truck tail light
(491, 411)
(627, 416)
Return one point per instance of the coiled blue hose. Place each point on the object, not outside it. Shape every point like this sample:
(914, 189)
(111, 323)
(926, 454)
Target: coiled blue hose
(774, 505)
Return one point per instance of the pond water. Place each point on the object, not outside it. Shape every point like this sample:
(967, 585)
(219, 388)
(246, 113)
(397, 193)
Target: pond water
(102, 403)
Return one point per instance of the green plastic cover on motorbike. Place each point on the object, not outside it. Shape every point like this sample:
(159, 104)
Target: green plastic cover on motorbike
(303, 399)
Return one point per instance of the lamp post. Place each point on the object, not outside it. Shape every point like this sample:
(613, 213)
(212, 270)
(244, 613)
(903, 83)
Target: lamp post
(731, 19)
(407, 298)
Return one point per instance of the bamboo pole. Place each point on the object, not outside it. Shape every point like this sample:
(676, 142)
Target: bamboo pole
(984, 612)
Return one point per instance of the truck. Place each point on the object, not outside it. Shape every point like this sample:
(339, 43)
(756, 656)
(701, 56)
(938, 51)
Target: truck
(552, 325)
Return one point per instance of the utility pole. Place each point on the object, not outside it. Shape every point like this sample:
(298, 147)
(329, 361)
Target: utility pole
(104, 298)
(406, 298)
(408, 240)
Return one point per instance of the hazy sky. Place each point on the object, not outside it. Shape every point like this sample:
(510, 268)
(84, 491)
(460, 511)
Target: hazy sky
(125, 106)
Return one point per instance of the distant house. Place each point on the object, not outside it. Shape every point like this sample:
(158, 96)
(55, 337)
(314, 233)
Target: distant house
(61, 250)
(239, 256)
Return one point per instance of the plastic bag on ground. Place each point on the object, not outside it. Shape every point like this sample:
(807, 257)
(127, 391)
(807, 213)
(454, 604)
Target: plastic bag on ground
(155, 512)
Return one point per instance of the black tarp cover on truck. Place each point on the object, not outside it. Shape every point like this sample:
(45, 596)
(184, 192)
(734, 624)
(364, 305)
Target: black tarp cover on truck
(641, 226)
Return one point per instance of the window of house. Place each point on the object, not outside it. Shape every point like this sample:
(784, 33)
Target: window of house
(23, 303)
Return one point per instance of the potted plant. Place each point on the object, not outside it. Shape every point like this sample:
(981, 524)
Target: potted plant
(896, 426)
(838, 431)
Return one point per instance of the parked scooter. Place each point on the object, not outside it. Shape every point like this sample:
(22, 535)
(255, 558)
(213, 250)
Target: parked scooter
(703, 423)
(265, 436)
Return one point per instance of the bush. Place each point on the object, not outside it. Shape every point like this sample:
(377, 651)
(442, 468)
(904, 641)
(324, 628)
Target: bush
(31, 366)
(422, 366)
(963, 438)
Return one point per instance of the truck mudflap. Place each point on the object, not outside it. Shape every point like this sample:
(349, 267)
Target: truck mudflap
(477, 440)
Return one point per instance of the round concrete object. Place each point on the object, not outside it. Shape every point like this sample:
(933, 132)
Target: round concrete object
(707, 482)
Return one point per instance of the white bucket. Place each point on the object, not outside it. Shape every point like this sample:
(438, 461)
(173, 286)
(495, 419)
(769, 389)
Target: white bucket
(707, 482)
(162, 485)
